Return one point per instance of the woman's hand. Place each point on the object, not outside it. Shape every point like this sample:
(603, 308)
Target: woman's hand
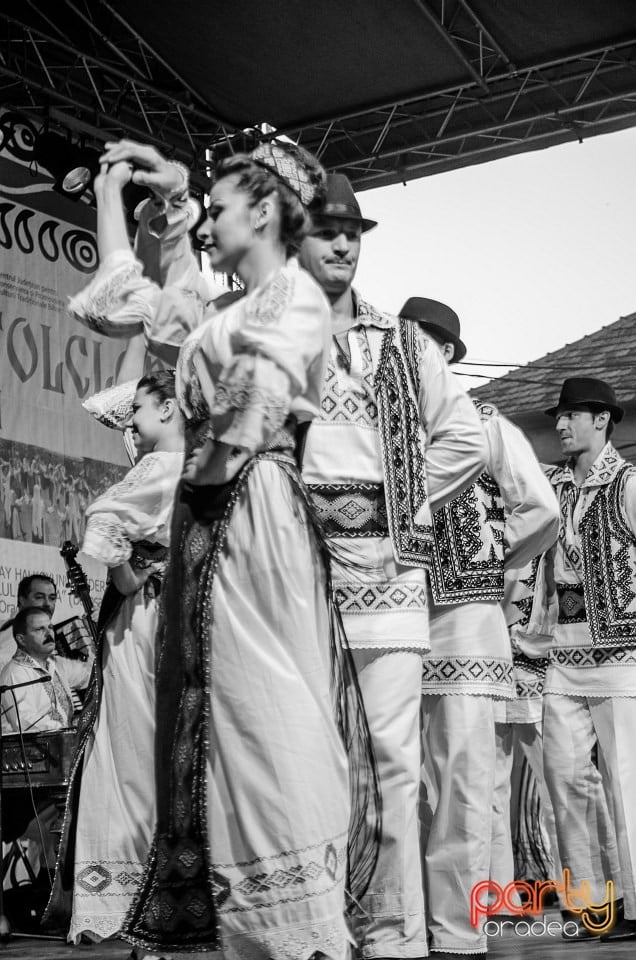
(129, 579)
(151, 169)
(116, 175)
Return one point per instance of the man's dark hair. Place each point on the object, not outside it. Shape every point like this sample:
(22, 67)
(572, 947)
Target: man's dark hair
(27, 582)
(21, 620)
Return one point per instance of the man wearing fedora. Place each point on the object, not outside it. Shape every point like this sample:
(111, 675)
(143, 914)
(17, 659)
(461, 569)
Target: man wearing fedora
(590, 686)
(499, 523)
(396, 436)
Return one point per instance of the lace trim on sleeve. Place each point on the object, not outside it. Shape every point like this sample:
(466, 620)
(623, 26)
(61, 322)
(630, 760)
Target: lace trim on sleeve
(117, 300)
(116, 518)
(105, 295)
(106, 540)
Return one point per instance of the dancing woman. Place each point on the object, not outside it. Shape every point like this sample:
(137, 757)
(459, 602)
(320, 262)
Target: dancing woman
(259, 724)
(110, 813)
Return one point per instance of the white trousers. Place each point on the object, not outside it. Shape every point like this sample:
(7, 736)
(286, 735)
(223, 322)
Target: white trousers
(513, 741)
(395, 924)
(459, 741)
(595, 808)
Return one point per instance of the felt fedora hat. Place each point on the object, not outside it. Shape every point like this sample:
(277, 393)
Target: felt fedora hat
(438, 319)
(340, 202)
(588, 392)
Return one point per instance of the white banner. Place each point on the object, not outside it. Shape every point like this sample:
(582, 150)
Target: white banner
(54, 458)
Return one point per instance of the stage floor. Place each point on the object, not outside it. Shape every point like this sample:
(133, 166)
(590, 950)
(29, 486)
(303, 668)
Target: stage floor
(507, 947)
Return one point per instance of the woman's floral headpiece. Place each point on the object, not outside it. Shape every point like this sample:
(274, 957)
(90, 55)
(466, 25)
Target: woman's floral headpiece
(287, 169)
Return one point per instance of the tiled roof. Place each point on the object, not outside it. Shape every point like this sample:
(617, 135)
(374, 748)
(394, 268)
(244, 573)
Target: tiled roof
(608, 353)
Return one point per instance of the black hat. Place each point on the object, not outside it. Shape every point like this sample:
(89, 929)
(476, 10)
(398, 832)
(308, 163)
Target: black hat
(340, 202)
(438, 319)
(588, 392)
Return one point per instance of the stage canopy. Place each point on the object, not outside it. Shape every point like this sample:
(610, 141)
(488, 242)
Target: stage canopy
(383, 90)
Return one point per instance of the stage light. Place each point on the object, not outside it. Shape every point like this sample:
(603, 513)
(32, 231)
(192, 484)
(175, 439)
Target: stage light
(73, 167)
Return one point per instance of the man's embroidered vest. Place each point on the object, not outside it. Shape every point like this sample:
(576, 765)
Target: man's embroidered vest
(468, 554)
(403, 445)
(609, 565)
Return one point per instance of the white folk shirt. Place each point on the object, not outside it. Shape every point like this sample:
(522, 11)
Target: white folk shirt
(470, 644)
(43, 706)
(383, 603)
(577, 668)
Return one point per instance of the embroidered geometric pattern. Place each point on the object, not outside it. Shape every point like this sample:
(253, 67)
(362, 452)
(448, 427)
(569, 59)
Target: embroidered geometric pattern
(571, 602)
(353, 597)
(524, 602)
(350, 509)
(272, 304)
(529, 689)
(468, 556)
(403, 441)
(113, 406)
(453, 671)
(97, 878)
(571, 553)
(287, 169)
(314, 870)
(590, 656)
(242, 394)
(609, 561)
(345, 399)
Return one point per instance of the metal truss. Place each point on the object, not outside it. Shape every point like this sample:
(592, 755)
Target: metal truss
(500, 109)
(78, 64)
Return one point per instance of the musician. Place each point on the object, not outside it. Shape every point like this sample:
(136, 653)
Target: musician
(44, 705)
(37, 590)
(72, 637)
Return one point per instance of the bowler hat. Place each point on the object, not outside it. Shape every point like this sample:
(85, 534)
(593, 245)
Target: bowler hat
(438, 319)
(340, 202)
(588, 392)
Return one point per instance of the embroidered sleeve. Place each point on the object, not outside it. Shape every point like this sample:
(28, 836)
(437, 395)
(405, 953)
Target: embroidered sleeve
(113, 406)
(119, 300)
(262, 359)
(251, 402)
(537, 636)
(531, 508)
(136, 508)
(456, 448)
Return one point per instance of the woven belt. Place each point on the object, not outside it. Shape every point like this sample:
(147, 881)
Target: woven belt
(571, 603)
(351, 509)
